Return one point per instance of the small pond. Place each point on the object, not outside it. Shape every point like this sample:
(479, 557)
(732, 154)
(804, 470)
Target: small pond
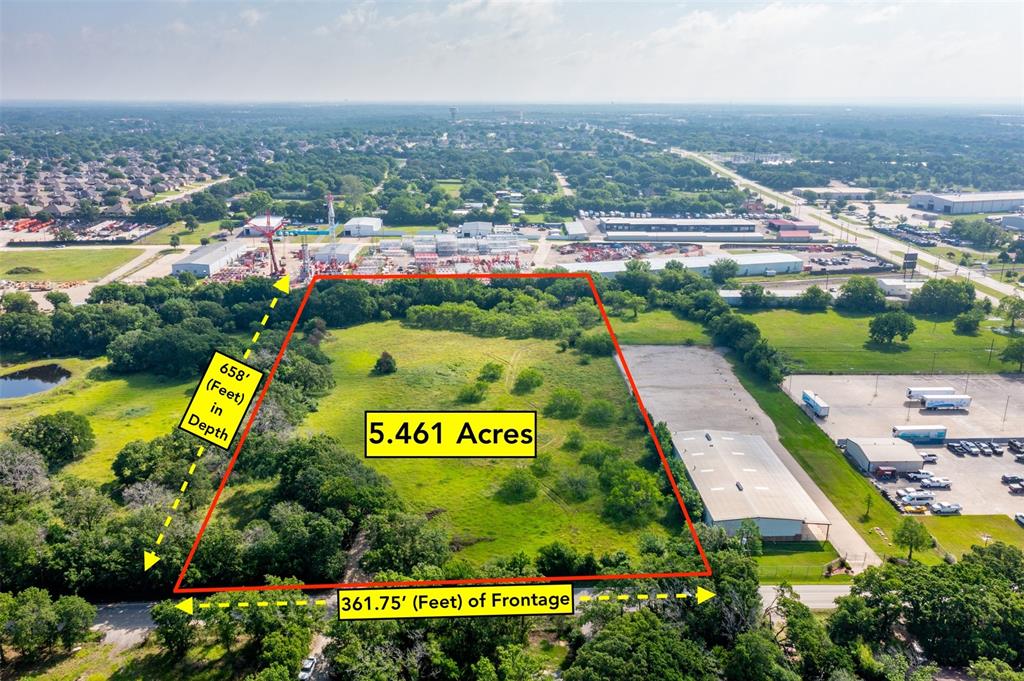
(33, 380)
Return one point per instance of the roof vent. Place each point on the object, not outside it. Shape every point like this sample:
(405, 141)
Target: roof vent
(739, 485)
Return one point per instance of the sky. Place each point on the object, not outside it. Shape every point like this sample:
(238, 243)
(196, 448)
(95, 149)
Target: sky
(516, 51)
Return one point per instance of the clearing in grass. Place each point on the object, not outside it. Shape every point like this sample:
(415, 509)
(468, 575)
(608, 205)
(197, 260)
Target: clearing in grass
(63, 264)
(833, 342)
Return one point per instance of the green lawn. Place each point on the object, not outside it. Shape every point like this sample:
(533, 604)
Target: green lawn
(432, 365)
(450, 186)
(119, 408)
(64, 264)
(832, 342)
(957, 534)
(162, 237)
(544, 217)
(206, 661)
(797, 563)
(658, 327)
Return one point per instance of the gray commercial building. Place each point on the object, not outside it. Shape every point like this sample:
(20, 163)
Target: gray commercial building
(750, 264)
(968, 202)
(210, 259)
(871, 453)
(740, 478)
(476, 228)
(340, 253)
(676, 225)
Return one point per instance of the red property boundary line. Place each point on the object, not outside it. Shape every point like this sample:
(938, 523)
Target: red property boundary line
(706, 572)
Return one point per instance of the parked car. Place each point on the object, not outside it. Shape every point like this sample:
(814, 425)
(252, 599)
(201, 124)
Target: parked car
(1019, 458)
(936, 483)
(308, 666)
(910, 508)
(1017, 445)
(1019, 518)
(904, 491)
(987, 447)
(945, 508)
(954, 447)
(917, 476)
(971, 448)
(997, 448)
(1012, 478)
(923, 498)
(928, 457)
(1017, 488)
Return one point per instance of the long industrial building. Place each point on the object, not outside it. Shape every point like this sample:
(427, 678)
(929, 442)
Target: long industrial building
(750, 264)
(363, 226)
(210, 259)
(872, 453)
(968, 202)
(739, 477)
(676, 225)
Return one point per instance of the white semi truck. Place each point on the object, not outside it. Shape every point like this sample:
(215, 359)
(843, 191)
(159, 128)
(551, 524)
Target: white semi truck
(816, 404)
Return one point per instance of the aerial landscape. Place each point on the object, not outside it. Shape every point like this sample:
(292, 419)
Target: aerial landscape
(507, 341)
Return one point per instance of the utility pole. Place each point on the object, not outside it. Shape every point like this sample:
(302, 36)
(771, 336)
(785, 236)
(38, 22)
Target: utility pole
(1006, 409)
(991, 349)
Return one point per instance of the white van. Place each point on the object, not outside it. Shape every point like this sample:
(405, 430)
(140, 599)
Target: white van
(918, 498)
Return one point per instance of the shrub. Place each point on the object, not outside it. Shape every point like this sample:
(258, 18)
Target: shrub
(598, 344)
(386, 364)
(491, 372)
(472, 393)
(577, 486)
(573, 440)
(518, 486)
(596, 453)
(599, 413)
(968, 323)
(542, 464)
(527, 381)
(564, 404)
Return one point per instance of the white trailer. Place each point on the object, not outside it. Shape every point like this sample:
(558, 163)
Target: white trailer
(937, 402)
(918, 393)
(816, 404)
(920, 434)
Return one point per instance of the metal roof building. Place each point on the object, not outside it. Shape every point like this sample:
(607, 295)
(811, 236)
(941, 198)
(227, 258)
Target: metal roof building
(676, 225)
(341, 253)
(363, 226)
(739, 477)
(871, 452)
(968, 202)
(210, 259)
(749, 264)
(575, 231)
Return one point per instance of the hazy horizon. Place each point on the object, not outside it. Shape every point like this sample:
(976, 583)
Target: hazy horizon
(486, 52)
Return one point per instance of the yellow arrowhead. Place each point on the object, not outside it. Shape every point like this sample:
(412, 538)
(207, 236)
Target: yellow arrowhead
(149, 559)
(186, 606)
(703, 595)
(283, 284)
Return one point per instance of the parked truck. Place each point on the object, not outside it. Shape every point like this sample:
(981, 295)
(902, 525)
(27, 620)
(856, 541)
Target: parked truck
(936, 402)
(816, 404)
(920, 434)
(918, 393)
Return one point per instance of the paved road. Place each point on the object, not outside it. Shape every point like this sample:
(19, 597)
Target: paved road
(189, 192)
(563, 184)
(124, 624)
(873, 241)
(814, 596)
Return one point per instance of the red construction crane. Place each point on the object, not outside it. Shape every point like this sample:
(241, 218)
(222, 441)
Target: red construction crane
(268, 233)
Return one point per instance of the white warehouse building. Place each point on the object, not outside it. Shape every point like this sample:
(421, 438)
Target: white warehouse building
(740, 478)
(968, 202)
(210, 259)
(340, 253)
(750, 264)
(363, 226)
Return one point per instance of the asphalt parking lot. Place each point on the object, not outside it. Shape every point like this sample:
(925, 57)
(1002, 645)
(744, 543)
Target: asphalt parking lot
(975, 481)
(857, 409)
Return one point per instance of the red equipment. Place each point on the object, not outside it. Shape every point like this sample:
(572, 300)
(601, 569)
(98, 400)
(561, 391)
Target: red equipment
(268, 233)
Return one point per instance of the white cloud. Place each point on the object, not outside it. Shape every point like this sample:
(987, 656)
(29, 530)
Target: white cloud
(877, 14)
(251, 16)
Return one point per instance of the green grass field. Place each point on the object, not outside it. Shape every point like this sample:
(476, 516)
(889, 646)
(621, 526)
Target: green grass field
(848, 489)
(797, 563)
(162, 237)
(119, 408)
(450, 186)
(432, 365)
(831, 342)
(65, 264)
(658, 327)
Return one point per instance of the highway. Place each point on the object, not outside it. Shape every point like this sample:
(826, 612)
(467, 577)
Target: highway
(879, 244)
